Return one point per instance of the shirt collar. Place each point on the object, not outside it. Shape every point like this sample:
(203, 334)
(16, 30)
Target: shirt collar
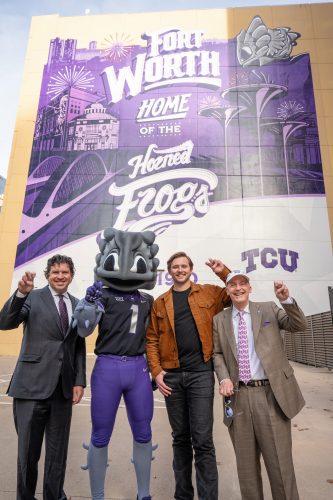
(56, 294)
(235, 311)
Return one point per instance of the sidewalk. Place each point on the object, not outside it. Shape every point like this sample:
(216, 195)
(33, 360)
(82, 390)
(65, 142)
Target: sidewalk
(312, 441)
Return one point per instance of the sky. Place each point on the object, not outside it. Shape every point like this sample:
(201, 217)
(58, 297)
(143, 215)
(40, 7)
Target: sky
(15, 17)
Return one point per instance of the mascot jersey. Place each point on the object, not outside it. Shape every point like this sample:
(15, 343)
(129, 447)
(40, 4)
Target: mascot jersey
(122, 326)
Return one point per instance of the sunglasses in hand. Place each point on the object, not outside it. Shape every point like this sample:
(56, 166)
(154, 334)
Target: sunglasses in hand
(228, 410)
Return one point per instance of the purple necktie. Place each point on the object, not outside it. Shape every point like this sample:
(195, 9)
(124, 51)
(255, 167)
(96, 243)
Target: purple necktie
(63, 314)
(243, 350)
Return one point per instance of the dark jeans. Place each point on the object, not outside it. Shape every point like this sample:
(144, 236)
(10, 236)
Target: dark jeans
(190, 412)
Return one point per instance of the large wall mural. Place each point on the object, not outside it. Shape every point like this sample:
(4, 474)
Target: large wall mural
(170, 132)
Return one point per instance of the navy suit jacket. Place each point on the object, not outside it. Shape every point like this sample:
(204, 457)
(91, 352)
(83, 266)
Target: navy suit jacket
(46, 353)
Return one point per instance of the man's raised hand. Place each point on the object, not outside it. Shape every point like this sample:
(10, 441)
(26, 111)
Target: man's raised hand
(281, 290)
(26, 283)
(216, 265)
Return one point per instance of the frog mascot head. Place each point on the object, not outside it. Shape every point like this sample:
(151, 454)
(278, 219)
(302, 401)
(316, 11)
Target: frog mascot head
(126, 260)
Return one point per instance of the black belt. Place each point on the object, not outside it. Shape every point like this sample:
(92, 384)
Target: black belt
(121, 358)
(255, 383)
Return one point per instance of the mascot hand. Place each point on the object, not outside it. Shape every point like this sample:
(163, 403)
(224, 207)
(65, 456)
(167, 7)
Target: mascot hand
(94, 292)
(89, 310)
(86, 316)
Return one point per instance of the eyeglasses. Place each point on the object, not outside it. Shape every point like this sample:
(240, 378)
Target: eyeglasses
(229, 412)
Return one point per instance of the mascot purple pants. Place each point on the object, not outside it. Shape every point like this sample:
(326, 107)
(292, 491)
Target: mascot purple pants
(114, 377)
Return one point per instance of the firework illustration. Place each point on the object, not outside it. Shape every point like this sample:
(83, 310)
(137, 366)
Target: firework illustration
(117, 48)
(289, 109)
(76, 77)
(210, 101)
(239, 78)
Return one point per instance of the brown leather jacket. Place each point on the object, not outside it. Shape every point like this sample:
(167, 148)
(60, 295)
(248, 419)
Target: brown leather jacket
(205, 301)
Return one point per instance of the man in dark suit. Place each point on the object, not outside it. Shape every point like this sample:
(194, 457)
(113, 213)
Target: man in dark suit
(260, 391)
(49, 376)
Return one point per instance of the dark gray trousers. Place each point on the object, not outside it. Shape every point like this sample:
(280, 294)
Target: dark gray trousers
(34, 419)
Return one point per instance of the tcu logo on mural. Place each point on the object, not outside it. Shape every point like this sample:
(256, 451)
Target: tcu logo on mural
(270, 258)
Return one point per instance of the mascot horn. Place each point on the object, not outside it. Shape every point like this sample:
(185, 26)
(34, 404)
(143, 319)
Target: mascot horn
(125, 264)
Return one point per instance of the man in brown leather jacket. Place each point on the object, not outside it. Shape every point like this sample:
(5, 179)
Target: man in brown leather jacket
(179, 351)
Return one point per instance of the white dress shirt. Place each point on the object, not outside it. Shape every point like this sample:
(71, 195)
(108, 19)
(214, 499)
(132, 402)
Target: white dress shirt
(67, 300)
(257, 371)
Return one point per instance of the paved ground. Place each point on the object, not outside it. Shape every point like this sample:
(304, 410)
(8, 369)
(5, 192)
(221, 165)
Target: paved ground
(312, 438)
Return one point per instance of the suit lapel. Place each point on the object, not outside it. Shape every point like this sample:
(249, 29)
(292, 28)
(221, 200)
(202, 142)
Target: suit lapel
(51, 307)
(256, 314)
(229, 329)
(74, 302)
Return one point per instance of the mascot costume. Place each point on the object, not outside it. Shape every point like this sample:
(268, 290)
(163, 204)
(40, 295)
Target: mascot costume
(126, 262)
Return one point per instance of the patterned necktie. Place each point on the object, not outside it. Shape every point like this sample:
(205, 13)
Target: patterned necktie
(63, 314)
(243, 350)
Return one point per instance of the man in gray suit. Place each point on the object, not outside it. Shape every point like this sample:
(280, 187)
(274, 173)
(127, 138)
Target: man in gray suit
(49, 376)
(260, 391)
